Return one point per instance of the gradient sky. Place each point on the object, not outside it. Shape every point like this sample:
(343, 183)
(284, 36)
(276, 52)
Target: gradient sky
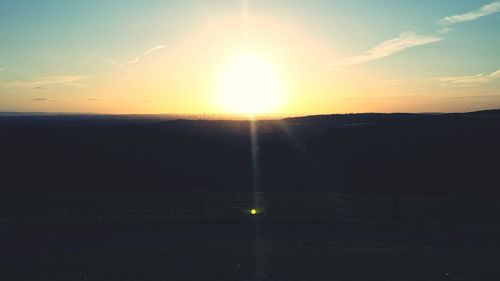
(332, 56)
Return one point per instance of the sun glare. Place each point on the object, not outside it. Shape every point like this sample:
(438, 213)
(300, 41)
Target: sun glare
(249, 85)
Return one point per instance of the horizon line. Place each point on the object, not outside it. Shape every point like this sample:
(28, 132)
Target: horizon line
(241, 115)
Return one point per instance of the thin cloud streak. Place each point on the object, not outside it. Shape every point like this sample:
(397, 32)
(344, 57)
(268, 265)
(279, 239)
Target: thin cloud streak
(474, 97)
(110, 61)
(485, 10)
(404, 41)
(444, 30)
(471, 79)
(465, 80)
(75, 85)
(154, 49)
(41, 82)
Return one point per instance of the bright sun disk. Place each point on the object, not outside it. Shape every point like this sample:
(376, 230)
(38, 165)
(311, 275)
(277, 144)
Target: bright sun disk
(249, 85)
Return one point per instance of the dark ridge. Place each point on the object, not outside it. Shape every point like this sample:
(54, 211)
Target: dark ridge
(452, 153)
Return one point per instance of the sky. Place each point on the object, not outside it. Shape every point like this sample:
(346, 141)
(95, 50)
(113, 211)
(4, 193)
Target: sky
(280, 57)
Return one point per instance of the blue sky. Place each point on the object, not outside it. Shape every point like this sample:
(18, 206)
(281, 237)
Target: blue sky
(351, 56)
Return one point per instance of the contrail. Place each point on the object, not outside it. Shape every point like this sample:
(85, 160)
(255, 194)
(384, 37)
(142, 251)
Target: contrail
(117, 64)
(154, 49)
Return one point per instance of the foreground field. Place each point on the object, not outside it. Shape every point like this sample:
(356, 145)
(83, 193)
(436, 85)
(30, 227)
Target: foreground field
(195, 235)
(244, 252)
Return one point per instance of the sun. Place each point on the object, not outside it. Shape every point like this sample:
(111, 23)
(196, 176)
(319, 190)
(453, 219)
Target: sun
(248, 84)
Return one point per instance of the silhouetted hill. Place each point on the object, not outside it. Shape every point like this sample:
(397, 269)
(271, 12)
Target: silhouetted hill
(377, 153)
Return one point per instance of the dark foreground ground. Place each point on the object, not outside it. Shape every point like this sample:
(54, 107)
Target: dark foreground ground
(254, 251)
(195, 235)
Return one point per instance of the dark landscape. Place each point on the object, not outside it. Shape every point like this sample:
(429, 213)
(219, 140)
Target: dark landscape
(369, 153)
(391, 196)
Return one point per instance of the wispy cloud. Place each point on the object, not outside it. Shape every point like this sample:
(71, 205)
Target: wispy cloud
(474, 97)
(2, 68)
(445, 81)
(409, 39)
(154, 49)
(485, 10)
(42, 82)
(404, 41)
(75, 85)
(109, 61)
(40, 99)
(471, 79)
(444, 30)
(40, 88)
